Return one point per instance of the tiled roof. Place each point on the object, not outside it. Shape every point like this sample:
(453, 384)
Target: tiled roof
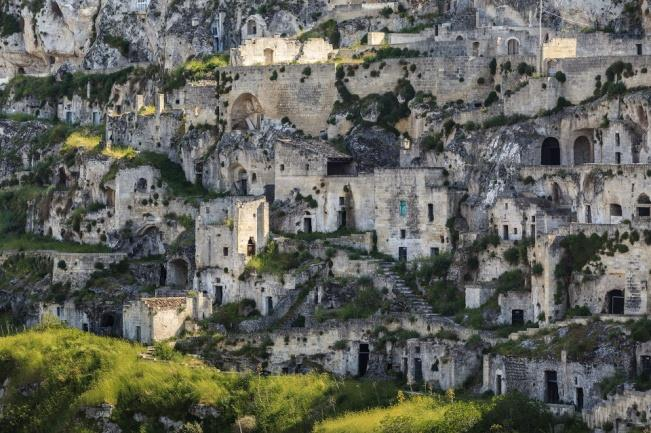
(164, 303)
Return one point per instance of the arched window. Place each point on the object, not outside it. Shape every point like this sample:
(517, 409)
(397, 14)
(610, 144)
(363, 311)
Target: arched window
(141, 185)
(513, 47)
(459, 38)
(550, 152)
(251, 27)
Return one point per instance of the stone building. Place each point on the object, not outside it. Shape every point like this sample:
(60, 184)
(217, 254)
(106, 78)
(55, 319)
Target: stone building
(149, 320)
(567, 385)
(440, 364)
(276, 50)
(229, 232)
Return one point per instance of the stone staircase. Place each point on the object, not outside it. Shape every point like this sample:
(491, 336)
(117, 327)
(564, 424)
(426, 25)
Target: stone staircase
(414, 302)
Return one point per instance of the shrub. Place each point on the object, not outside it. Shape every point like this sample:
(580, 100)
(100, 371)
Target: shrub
(307, 71)
(525, 69)
(512, 256)
(511, 281)
(274, 76)
(537, 269)
(560, 76)
(62, 265)
(119, 43)
(641, 330)
(386, 11)
(491, 98)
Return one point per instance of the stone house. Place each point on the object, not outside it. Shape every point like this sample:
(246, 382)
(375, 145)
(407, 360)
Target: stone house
(555, 382)
(149, 320)
(229, 232)
(441, 364)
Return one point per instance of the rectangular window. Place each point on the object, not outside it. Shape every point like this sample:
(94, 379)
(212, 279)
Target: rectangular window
(505, 232)
(618, 158)
(403, 208)
(639, 49)
(617, 139)
(430, 212)
(403, 234)
(342, 201)
(282, 167)
(433, 251)
(402, 254)
(225, 251)
(515, 230)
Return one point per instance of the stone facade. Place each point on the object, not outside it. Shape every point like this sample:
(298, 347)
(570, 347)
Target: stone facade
(149, 320)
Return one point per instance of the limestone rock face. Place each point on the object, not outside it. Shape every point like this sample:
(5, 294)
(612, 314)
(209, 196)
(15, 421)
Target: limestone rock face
(373, 147)
(59, 33)
(284, 23)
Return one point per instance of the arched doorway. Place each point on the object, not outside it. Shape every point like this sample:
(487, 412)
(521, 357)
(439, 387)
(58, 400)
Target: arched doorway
(550, 152)
(242, 182)
(557, 196)
(268, 56)
(583, 151)
(513, 47)
(177, 273)
(475, 49)
(615, 302)
(246, 113)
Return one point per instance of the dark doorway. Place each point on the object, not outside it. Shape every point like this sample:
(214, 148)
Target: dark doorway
(250, 247)
(402, 254)
(219, 295)
(498, 385)
(505, 232)
(198, 173)
(418, 370)
(162, 279)
(550, 152)
(645, 360)
(405, 366)
(579, 399)
(84, 327)
(615, 302)
(517, 317)
(138, 334)
(362, 360)
(551, 387)
(307, 225)
(270, 305)
(430, 212)
(341, 216)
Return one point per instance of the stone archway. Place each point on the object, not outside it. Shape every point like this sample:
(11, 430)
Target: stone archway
(550, 152)
(177, 273)
(583, 151)
(246, 113)
(615, 302)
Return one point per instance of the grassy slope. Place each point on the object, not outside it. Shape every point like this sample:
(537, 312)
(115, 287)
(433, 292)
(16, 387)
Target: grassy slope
(55, 372)
(73, 369)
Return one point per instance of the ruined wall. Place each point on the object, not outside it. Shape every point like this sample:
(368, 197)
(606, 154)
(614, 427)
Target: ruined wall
(307, 101)
(79, 267)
